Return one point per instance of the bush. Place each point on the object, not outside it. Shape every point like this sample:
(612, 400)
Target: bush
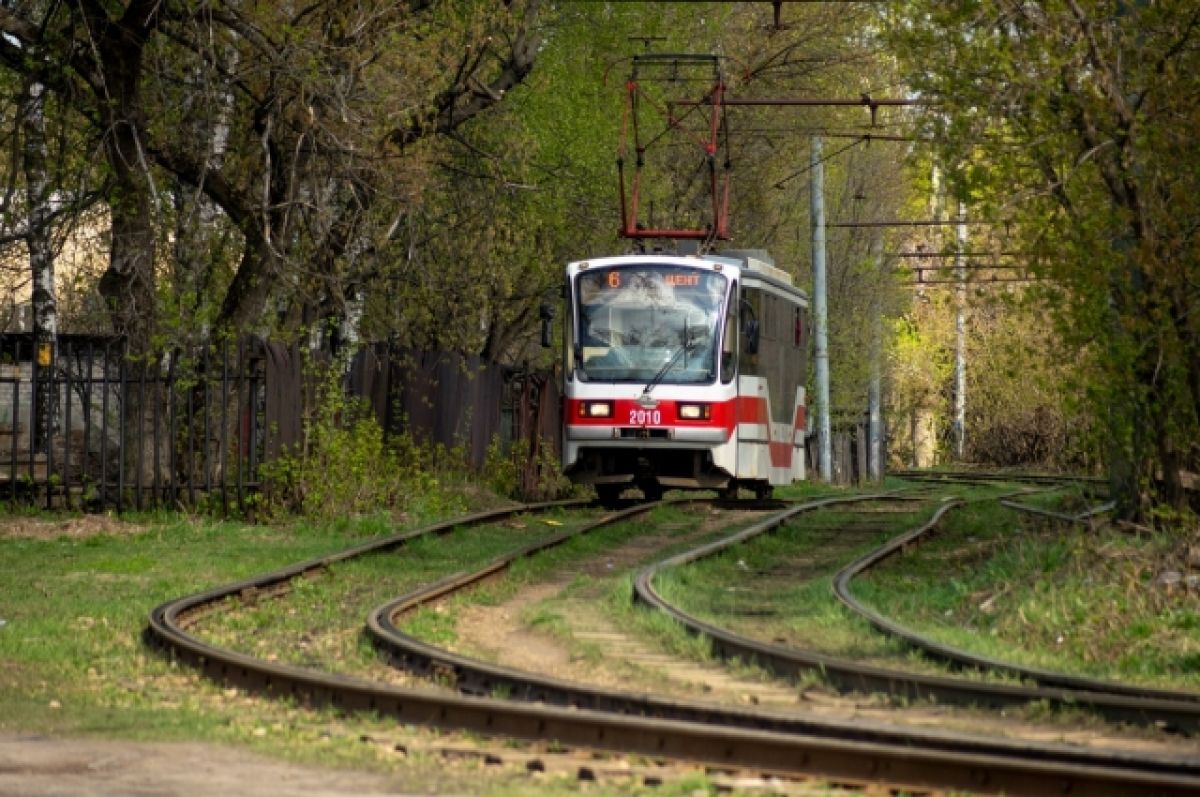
(522, 476)
(348, 466)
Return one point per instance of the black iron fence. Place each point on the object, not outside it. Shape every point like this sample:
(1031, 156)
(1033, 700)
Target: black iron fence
(849, 446)
(89, 426)
(96, 428)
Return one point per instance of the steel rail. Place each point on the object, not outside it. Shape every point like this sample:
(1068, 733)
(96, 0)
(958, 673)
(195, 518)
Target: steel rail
(277, 581)
(850, 676)
(474, 677)
(990, 477)
(907, 764)
(1082, 517)
(1114, 700)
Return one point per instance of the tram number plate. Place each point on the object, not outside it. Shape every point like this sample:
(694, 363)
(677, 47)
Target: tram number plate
(645, 417)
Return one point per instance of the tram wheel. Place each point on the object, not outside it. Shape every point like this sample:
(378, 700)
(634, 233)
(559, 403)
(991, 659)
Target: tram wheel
(763, 491)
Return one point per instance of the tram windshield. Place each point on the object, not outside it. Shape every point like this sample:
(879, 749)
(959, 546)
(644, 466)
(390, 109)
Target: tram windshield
(634, 320)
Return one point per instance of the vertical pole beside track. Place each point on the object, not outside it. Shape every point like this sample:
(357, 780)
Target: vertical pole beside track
(875, 383)
(89, 388)
(66, 436)
(820, 310)
(16, 423)
(960, 333)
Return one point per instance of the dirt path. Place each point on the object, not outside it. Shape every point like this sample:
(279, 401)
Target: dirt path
(33, 766)
(590, 647)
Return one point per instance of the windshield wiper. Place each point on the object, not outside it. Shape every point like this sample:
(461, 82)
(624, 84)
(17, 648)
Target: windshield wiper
(688, 345)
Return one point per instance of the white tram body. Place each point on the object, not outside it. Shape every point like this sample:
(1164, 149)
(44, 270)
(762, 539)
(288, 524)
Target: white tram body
(683, 372)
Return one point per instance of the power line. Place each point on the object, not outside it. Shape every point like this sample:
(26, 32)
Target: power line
(975, 283)
(956, 254)
(974, 266)
(906, 223)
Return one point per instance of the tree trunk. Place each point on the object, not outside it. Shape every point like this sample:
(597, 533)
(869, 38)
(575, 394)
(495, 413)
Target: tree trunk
(41, 262)
(128, 284)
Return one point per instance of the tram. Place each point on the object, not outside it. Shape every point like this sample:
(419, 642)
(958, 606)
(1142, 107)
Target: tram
(683, 371)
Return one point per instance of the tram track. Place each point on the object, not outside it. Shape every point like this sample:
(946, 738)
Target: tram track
(1115, 702)
(901, 757)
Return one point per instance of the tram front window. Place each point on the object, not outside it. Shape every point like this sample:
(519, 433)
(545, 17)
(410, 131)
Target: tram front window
(634, 320)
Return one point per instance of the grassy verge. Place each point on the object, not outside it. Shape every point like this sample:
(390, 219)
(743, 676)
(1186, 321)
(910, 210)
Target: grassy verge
(1100, 602)
(582, 558)
(777, 586)
(72, 660)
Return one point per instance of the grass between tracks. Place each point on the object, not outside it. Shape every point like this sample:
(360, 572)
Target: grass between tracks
(776, 587)
(1101, 601)
(1098, 601)
(75, 594)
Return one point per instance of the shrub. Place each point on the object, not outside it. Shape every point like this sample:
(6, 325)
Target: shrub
(348, 466)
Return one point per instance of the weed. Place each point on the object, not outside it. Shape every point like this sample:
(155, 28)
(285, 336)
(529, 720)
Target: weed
(348, 466)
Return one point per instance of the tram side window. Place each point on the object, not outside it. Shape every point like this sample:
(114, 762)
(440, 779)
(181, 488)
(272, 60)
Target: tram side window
(780, 356)
(799, 358)
(777, 328)
(793, 362)
(750, 323)
(568, 338)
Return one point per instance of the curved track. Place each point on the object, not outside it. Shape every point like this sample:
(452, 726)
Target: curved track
(1179, 710)
(911, 759)
(1117, 702)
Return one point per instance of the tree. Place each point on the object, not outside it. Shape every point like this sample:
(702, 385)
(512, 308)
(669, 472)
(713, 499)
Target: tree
(299, 126)
(1070, 120)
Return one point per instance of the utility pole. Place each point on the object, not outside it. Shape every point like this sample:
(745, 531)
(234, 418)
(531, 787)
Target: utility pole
(820, 311)
(960, 334)
(875, 383)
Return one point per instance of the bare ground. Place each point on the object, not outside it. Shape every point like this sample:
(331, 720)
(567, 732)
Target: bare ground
(16, 527)
(37, 766)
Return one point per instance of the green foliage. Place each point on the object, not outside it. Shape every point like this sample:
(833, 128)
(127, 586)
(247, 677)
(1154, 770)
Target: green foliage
(1092, 601)
(348, 467)
(1066, 122)
(500, 471)
(514, 472)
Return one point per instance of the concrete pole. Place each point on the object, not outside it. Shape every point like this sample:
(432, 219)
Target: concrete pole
(875, 384)
(960, 334)
(820, 312)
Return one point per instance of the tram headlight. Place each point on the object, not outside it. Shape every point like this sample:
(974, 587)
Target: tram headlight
(695, 412)
(596, 409)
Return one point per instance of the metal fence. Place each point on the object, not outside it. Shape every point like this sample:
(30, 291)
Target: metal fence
(464, 403)
(95, 428)
(848, 444)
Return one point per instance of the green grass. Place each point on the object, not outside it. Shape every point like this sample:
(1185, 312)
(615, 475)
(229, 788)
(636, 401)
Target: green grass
(319, 623)
(1049, 595)
(784, 576)
(778, 587)
(72, 661)
(71, 652)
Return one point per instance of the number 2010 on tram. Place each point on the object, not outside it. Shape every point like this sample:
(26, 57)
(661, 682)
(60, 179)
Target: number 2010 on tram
(683, 372)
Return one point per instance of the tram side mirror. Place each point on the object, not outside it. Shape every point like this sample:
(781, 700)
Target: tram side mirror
(546, 313)
(750, 335)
